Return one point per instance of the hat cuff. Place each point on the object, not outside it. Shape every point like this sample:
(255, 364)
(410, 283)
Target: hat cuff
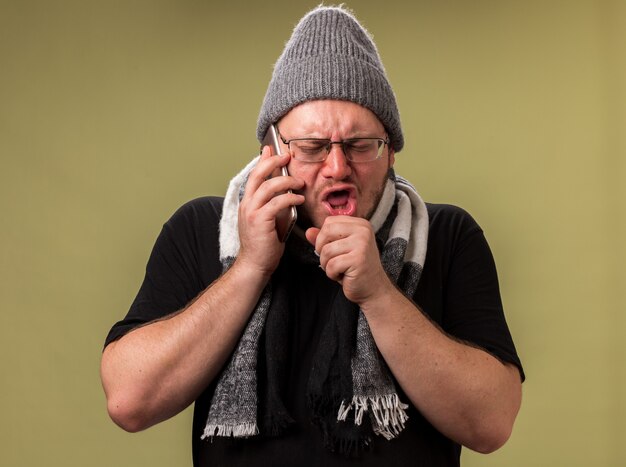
(330, 76)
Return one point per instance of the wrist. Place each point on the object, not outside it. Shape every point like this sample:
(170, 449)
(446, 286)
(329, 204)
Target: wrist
(381, 299)
(250, 272)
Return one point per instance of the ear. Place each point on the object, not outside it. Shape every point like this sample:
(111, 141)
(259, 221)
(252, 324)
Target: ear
(392, 157)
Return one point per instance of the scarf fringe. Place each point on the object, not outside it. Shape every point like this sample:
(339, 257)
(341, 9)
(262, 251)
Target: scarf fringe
(243, 430)
(351, 442)
(387, 413)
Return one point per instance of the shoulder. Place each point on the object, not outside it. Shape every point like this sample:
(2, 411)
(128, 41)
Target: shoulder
(191, 236)
(199, 213)
(453, 233)
(195, 224)
(205, 206)
(450, 221)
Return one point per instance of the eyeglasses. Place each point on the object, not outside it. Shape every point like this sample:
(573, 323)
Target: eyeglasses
(317, 149)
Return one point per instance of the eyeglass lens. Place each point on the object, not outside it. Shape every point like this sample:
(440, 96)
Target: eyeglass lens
(357, 149)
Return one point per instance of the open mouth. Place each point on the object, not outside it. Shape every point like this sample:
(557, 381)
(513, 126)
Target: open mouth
(340, 202)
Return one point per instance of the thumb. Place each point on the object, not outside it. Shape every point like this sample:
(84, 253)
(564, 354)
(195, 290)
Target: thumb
(311, 235)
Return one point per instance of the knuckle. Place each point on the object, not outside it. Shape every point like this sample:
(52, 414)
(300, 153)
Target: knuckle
(274, 202)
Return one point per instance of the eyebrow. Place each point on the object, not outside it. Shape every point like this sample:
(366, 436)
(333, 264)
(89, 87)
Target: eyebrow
(352, 133)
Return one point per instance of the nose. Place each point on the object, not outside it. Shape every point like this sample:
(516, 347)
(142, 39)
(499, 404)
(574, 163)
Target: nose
(336, 165)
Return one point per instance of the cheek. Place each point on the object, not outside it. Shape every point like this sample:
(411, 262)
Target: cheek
(370, 178)
(307, 174)
(372, 182)
(303, 172)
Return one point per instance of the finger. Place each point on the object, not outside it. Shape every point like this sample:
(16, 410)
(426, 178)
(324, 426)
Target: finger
(263, 170)
(335, 249)
(265, 151)
(260, 190)
(334, 229)
(337, 267)
(273, 188)
(266, 209)
(280, 202)
(311, 235)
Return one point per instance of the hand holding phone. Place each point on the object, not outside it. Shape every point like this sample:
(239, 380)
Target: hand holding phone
(286, 218)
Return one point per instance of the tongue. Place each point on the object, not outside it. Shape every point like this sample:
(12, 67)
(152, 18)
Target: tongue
(338, 198)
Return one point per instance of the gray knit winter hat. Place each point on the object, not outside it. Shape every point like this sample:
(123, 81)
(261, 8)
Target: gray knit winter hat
(330, 56)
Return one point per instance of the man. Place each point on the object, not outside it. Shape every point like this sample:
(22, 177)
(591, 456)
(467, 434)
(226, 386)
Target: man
(374, 333)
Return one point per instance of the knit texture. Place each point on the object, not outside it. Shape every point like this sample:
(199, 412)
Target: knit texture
(330, 56)
(349, 377)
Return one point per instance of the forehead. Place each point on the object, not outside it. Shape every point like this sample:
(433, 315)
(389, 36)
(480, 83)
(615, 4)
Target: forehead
(323, 118)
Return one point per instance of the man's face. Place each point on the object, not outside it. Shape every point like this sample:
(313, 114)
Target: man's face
(336, 186)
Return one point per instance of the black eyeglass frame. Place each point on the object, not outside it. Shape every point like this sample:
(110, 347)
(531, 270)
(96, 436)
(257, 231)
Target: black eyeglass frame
(329, 143)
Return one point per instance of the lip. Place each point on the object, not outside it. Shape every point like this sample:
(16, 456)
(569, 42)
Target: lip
(349, 209)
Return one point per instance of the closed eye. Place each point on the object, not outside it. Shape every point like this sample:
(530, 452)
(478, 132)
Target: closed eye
(311, 146)
(361, 146)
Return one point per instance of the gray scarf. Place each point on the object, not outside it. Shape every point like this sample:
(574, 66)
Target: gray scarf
(346, 380)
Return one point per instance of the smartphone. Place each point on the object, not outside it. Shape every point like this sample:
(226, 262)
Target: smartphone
(286, 218)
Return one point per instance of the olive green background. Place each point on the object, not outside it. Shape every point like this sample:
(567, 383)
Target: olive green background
(114, 113)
